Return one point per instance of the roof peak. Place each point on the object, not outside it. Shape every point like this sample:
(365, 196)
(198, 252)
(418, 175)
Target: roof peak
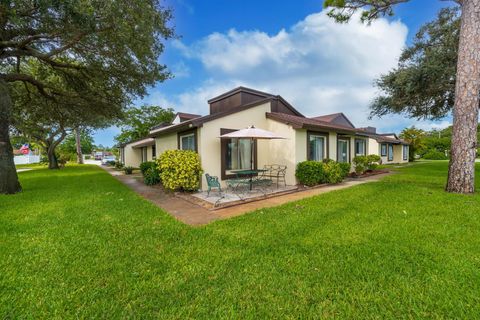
(241, 89)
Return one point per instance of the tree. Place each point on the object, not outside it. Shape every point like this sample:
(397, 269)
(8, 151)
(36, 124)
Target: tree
(95, 54)
(69, 144)
(414, 137)
(461, 171)
(137, 122)
(78, 145)
(48, 121)
(423, 84)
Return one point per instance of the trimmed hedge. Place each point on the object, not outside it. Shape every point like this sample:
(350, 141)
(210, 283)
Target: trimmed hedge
(311, 173)
(144, 166)
(345, 166)
(373, 160)
(364, 163)
(180, 170)
(151, 176)
(360, 163)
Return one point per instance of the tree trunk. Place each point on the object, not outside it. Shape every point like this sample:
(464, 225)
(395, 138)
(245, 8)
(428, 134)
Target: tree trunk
(52, 158)
(461, 171)
(79, 146)
(8, 173)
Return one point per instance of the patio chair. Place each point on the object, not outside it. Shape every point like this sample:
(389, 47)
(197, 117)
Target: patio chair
(277, 172)
(212, 182)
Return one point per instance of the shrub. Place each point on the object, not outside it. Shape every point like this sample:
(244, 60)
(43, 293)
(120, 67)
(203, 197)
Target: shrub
(310, 173)
(144, 166)
(373, 161)
(435, 155)
(180, 170)
(345, 167)
(333, 172)
(360, 163)
(118, 165)
(151, 176)
(111, 163)
(64, 157)
(88, 157)
(128, 170)
(44, 159)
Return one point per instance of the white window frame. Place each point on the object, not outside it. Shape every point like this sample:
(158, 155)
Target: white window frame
(390, 155)
(364, 147)
(324, 138)
(386, 150)
(348, 142)
(188, 135)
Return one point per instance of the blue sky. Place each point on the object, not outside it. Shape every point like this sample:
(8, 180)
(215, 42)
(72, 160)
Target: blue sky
(288, 48)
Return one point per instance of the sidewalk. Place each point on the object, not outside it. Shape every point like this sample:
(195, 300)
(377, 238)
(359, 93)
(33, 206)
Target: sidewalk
(196, 215)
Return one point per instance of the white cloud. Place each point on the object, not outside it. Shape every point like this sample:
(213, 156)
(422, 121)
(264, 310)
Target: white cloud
(317, 65)
(430, 125)
(180, 70)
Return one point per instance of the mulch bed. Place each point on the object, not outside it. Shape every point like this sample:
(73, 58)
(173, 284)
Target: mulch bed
(368, 174)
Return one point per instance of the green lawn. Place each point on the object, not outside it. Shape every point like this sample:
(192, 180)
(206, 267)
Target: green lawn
(78, 244)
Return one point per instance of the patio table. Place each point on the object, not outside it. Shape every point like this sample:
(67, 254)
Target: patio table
(249, 173)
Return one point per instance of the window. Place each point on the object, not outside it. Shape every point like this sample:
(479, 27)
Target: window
(238, 155)
(360, 147)
(343, 152)
(405, 152)
(390, 152)
(144, 154)
(383, 150)
(317, 147)
(187, 142)
(154, 152)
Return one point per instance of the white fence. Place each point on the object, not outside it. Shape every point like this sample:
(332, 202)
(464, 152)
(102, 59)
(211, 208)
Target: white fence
(26, 159)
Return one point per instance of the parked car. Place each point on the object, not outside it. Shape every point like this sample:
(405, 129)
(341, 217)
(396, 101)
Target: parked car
(107, 159)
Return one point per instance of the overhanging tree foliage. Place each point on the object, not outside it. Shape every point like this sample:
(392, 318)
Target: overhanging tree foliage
(137, 122)
(96, 55)
(69, 144)
(423, 84)
(461, 173)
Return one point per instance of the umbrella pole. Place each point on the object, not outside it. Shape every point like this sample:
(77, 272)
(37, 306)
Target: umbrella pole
(252, 148)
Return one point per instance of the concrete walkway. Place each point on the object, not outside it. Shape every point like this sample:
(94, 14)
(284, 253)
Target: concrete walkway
(196, 215)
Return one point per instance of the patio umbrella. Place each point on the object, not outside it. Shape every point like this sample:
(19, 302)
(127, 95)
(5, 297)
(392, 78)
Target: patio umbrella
(253, 134)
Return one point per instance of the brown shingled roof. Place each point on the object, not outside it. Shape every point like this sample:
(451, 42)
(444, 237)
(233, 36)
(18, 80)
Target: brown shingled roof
(307, 123)
(187, 116)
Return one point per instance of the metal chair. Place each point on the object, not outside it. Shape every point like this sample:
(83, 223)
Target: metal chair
(212, 182)
(277, 172)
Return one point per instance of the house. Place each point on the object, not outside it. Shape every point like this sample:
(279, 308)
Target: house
(328, 136)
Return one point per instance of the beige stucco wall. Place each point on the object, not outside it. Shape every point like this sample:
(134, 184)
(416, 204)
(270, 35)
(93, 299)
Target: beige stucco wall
(133, 156)
(374, 148)
(398, 154)
(209, 146)
(166, 142)
(285, 151)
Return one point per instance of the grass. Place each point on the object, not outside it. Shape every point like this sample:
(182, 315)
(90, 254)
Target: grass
(78, 244)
